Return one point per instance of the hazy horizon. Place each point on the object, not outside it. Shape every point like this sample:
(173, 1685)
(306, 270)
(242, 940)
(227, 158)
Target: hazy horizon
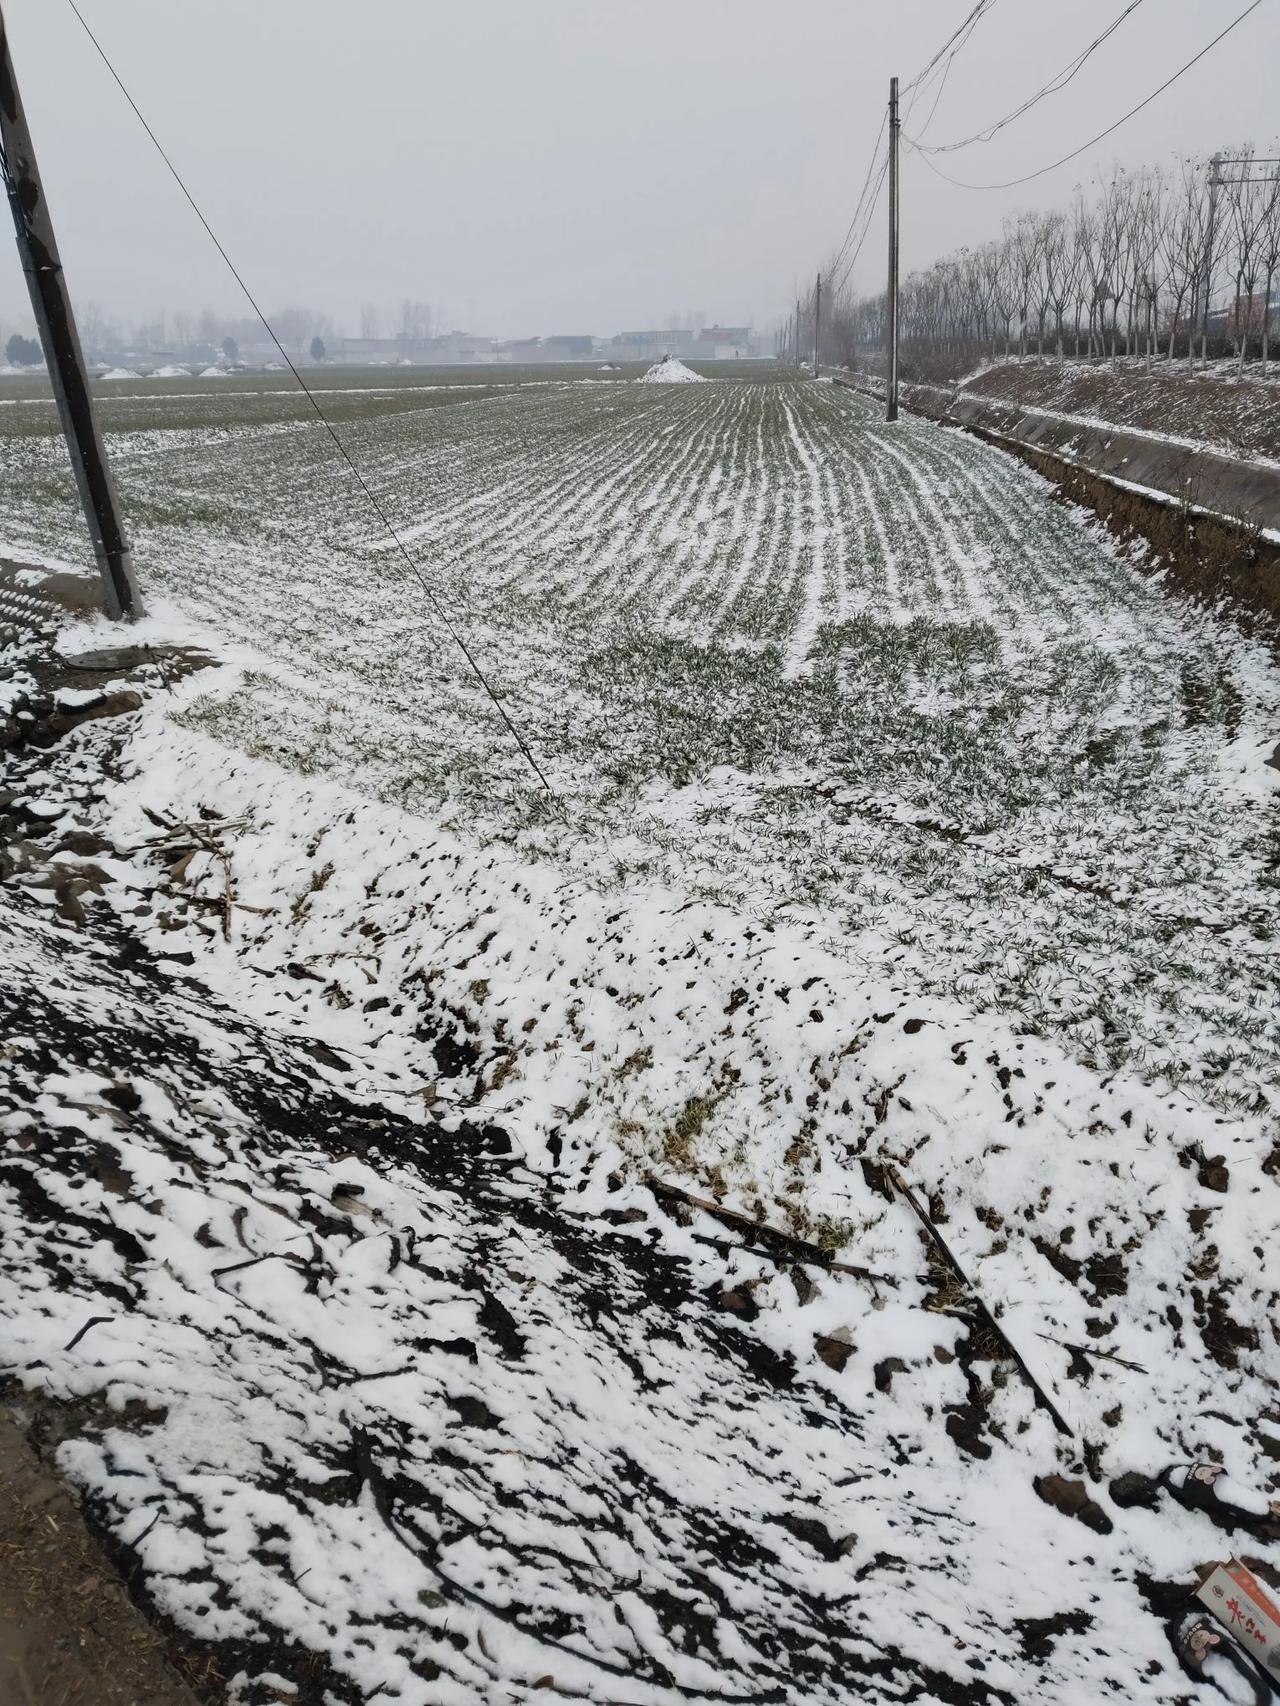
(573, 167)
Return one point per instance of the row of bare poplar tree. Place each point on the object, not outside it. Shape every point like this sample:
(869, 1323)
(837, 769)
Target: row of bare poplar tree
(1162, 263)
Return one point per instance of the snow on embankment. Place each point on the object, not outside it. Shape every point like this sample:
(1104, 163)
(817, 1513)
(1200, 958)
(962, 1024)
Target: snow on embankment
(323, 1199)
(1240, 418)
(671, 371)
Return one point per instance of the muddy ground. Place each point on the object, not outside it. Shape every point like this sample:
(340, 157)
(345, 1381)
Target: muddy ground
(69, 1633)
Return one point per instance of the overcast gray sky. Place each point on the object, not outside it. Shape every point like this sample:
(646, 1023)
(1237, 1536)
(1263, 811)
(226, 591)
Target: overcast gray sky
(540, 166)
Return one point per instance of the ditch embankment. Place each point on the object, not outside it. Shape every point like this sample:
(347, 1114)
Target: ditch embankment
(1210, 514)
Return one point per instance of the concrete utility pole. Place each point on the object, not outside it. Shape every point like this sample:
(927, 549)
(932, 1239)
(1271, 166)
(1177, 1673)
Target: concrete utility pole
(891, 377)
(57, 327)
(817, 321)
(1215, 168)
(797, 336)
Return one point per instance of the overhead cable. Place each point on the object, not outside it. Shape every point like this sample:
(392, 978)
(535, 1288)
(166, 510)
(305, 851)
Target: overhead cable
(1009, 183)
(862, 212)
(377, 507)
(862, 195)
(1052, 87)
(866, 227)
(958, 39)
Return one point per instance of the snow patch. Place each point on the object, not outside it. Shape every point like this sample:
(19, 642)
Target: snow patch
(670, 371)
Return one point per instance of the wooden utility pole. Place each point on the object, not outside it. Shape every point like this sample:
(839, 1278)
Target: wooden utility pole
(56, 324)
(817, 321)
(796, 351)
(891, 376)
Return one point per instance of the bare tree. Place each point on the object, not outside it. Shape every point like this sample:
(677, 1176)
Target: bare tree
(980, 284)
(1113, 237)
(1149, 214)
(416, 319)
(1024, 259)
(1269, 247)
(1131, 268)
(1182, 239)
(1246, 223)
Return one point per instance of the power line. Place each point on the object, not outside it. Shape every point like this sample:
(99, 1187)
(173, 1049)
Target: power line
(328, 425)
(954, 43)
(965, 30)
(862, 195)
(866, 227)
(942, 84)
(1009, 183)
(1056, 83)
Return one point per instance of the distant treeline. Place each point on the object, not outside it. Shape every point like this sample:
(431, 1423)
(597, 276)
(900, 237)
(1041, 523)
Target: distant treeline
(205, 335)
(1158, 263)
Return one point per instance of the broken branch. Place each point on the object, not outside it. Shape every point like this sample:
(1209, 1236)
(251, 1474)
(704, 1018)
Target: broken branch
(1092, 1351)
(941, 1246)
(793, 1248)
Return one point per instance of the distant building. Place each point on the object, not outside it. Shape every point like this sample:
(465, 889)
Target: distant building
(724, 343)
(1247, 314)
(522, 350)
(447, 349)
(712, 343)
(577, 346)
(651, 346)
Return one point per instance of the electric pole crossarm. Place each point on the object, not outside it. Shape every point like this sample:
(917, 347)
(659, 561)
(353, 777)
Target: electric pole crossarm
(51, 305)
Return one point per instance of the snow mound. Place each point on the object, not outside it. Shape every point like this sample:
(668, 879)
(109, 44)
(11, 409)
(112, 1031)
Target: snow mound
(670, 371)
(120, 373)
(215, 373)
(171, 372)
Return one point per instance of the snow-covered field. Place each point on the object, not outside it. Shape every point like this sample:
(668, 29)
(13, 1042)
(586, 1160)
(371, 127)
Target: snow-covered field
(769, 653)
(894, 821)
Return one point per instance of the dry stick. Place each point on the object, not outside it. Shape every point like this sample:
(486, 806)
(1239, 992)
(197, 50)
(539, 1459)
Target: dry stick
(1092, 1351)
(93, 1321)
(226, 895)
(241, 905)
(802, 1248)
(200, 834)
(939, 1243)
